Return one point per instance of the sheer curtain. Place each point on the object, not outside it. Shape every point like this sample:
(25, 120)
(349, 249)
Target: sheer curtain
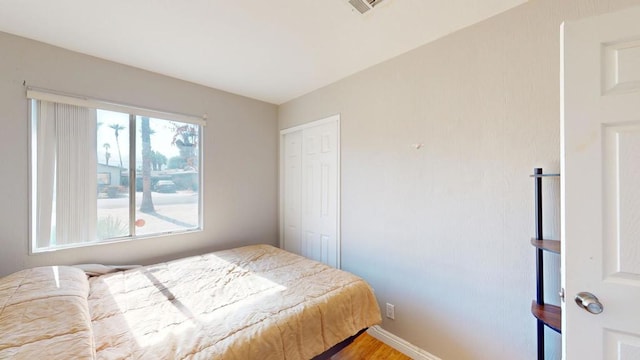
(66, 172)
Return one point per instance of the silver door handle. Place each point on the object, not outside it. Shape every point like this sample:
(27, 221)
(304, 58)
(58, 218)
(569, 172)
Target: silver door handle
(589, 302)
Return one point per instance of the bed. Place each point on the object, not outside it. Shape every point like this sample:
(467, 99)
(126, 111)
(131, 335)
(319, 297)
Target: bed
(254, 302)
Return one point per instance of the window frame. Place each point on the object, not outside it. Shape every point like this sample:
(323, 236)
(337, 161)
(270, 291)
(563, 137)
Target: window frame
(36, 94)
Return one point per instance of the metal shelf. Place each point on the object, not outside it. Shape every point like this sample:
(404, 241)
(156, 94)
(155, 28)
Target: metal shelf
(547, 315)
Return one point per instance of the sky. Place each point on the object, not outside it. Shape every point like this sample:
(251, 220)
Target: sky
(160, 139)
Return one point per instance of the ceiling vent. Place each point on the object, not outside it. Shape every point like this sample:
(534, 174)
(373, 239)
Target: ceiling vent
(364, 5)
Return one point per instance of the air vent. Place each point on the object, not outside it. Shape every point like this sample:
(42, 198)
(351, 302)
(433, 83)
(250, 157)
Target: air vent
(364, 5)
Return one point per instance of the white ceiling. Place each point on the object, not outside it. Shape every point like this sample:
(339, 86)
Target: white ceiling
(272, 50)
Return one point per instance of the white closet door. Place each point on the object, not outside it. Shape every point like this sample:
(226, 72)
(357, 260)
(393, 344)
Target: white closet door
(292, 191)
(311, 192)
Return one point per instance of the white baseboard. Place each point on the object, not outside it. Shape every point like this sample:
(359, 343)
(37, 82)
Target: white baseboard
(399, 344)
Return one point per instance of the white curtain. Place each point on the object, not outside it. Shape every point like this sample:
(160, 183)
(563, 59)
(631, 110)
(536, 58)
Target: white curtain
(66, 166)
(44, 171)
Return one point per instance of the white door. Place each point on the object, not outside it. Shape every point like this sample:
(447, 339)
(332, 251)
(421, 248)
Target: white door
(601, 186)
(310, 192)
(291, 191)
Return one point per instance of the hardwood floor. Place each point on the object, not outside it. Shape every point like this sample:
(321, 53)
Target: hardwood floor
(366, 347)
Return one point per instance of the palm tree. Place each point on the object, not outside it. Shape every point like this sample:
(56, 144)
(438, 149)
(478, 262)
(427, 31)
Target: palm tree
(107, 154)
(154, 160)
(185, 137)
(157, 160)
(161, 160)
(116, 128)
(146, 206)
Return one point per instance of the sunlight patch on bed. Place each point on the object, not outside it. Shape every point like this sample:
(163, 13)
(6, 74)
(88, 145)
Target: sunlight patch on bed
(241, 301)
(56, 275)
(157, 307)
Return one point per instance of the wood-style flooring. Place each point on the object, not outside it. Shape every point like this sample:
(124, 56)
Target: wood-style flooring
(366, 347)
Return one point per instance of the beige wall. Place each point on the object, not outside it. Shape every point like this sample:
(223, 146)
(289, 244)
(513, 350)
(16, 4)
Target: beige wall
(240, 154)
(443, 232)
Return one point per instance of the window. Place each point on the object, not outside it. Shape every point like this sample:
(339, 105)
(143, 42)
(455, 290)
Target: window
(103, 172)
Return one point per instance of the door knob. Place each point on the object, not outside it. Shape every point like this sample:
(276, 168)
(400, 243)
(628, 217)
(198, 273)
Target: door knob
(589, 302)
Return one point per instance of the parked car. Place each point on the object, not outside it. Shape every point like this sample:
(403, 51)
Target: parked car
(165, 186)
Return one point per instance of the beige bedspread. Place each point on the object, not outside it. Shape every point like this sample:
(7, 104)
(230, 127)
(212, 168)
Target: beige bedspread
(44, 315)
(255, 302)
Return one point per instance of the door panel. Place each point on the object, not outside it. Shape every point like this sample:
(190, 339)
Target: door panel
(619, 66)
(622, 200)
(601, 184)
(292, 202)
(621, 346)
(317, 216)
(320, 197)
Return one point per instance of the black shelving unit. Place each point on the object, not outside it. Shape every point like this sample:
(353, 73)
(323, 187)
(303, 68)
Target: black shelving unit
(546, 314)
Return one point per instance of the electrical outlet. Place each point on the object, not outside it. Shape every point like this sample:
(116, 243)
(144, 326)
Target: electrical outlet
(391, 311)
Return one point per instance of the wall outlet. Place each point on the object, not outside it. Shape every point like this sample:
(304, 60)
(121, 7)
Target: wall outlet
(391, 311)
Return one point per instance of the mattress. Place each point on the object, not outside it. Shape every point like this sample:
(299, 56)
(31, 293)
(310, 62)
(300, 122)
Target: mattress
(255, 302)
